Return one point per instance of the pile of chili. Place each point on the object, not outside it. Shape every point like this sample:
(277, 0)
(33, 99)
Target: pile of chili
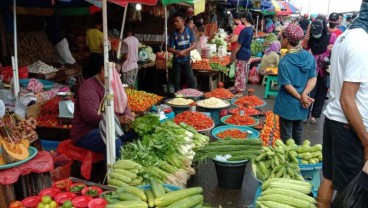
(245, 120)
(140, 101)
(220, 93)
(232, 133)
(197, 120)
(252, 100)
(247, 110)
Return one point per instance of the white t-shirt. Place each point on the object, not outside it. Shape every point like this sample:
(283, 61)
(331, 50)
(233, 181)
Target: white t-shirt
(130, 46)
(349, 62)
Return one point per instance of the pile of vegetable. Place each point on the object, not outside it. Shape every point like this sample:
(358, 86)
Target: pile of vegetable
(180, 101)
(247, 110)
(189, 93)
(124, 173)
(140, 101)
(253, 101)
(40, 67)
(220, 93)
(165, 151)
(234, 150)
(16, 134)
(278, 162)
(271, 37)
(287, 193)
(212, 103)
(156, 196)
(256, 47)
(239, 120)
(203, 64)
(223, 60)
(197, 120)
(308, 154)
(232, 134)
(49, 114)
(219, 39)
(220, 67)
(271, 129)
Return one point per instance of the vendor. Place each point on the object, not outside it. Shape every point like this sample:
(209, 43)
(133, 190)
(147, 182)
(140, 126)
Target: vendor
(85, 131)
(130, 50)
(181, 43)
(270, 58)
(238, 27)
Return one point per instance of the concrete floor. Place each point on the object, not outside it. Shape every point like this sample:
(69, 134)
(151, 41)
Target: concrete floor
(216, 196)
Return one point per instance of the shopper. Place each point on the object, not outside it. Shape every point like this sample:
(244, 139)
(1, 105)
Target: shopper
(242, 53)
(182, 41)
(233, 39)
(85, 130)
(345, 137)
(129, 58)
(304, 23)
(57, 37)
(270, 25)
(341, 25)
(297, 78)
(348, 21)
(270, 58)
(333, 23)
(320, 41)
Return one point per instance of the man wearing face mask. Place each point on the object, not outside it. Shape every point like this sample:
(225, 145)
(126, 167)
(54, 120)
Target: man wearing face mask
(333, 23)
(319, 41)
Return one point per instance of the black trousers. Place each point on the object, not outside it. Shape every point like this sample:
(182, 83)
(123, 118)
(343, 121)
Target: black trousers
(319, 94)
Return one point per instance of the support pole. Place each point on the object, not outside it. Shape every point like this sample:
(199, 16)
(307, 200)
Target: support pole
(166, 53)
(122, 31)
(257, 25)
(15, 57)
(109, 101)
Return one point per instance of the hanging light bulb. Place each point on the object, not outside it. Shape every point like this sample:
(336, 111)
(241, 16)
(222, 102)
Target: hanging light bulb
(138, 7)
(228, 12)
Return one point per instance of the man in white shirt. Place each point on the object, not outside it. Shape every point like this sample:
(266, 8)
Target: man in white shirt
(345, 136)
(130, 58)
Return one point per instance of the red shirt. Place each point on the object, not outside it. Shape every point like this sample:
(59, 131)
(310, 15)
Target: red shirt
(237, 31)
(337, 32)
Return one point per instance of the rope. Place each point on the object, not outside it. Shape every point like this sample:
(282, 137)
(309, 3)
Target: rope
(101, 107)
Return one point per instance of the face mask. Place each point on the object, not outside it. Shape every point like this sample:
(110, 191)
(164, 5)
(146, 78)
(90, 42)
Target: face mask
(317, 36)
(332, 24)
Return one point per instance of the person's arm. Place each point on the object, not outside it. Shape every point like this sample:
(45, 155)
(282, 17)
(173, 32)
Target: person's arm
(234, 38)
(193, 44)
(292, 91)
(351, 111)
(238, 45)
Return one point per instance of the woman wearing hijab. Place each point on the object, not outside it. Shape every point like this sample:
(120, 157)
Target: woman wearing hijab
(270, 58)
(320, 41)
(297, 78)
(270, 25)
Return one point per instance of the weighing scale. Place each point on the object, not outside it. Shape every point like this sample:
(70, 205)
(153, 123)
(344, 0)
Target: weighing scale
(66, 107)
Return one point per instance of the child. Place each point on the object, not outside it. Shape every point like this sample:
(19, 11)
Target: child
(297, 78)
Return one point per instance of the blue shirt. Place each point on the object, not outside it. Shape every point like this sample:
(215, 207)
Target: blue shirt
(342, 28)
(294, 69)
(181, 41)
(245, 39)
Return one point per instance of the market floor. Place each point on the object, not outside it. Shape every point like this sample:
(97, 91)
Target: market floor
(216, 196)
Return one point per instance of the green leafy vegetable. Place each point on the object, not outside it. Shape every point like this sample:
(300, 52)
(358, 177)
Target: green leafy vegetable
(146, 124)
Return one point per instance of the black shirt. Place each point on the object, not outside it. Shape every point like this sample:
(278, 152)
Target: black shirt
(53, 30)
(304, 23)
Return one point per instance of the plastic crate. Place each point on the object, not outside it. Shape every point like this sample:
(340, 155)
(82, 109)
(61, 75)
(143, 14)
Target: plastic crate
(49, 145)
(311, 174)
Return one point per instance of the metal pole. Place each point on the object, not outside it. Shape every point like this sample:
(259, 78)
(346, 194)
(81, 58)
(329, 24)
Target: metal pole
(15, 62)
(237, 6)
(122, 31)
(257, 25)
(166, 53)
(109, 102)
(328, 8)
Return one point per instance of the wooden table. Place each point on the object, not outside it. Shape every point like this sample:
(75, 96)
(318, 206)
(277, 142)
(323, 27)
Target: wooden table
(65, 72)
(203, 76)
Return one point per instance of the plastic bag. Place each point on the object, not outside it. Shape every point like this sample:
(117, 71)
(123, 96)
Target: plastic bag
(232, 70)
(254, 76)
(62, 167)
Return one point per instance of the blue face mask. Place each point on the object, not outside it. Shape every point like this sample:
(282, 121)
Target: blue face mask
(317, 36)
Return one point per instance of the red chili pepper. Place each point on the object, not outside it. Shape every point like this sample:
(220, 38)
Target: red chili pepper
(232, 133)
(252, 100)
(220, 93)
(62, 184)
(197, 120)
(240, 120)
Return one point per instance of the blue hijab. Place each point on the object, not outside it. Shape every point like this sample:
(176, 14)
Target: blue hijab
(362, 20)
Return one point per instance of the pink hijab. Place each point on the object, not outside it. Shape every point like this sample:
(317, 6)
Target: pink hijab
(275, 47)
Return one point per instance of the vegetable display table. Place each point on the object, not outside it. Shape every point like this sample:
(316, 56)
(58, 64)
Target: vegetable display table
(25, 180)
(65, 72)
(206, 80)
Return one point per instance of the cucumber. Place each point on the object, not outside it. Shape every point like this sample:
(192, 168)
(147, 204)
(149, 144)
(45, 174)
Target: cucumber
(174, 196)
(125, 173)
(188, 202)
(135, 182)
(167, 190)
(116, 183)
(120, 177)
(128, 197)
(133, 190)
(128, 204)
(111, 200)
(157, 188)
(150, 198)
(126, 164)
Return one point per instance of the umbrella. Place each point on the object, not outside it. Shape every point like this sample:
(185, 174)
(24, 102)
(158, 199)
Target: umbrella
(289, 8)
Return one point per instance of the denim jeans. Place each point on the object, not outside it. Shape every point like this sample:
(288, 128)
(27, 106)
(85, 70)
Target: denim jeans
(93, 141)
(291, 129)
(186, 68)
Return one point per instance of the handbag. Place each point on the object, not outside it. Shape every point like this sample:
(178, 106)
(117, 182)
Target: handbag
(102, 126)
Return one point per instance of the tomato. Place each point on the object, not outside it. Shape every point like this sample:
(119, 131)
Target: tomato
(62, 184)
(15, 204)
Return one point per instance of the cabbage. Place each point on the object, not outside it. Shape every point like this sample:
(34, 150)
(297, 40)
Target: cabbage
(149, 49)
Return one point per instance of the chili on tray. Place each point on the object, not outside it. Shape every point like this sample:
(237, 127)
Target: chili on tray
(220, 93)
(252, 100)
(236, 119)
(232, 133)
(197, 120)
